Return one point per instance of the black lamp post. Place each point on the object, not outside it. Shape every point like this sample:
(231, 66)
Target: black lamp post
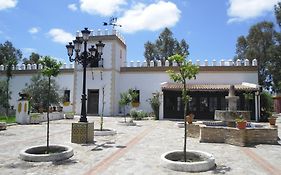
(84, 58)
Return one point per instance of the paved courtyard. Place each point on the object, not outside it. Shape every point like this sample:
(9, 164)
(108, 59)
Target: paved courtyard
(134, 150)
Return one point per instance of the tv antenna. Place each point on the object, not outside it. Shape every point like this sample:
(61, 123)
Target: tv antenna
(112, 22)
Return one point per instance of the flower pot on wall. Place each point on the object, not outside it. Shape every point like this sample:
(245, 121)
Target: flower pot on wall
(135, 104)
(241, 125)
(272, 120)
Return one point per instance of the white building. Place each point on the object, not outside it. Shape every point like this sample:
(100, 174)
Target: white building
(116, 75)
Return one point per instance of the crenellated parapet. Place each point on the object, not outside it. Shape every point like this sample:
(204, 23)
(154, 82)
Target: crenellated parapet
(198, 62)
(107, 32)
(23, 67)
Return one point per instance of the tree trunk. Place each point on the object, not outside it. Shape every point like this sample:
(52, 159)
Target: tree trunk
(184, 116)
(102, 110)
(48, 111)
(125, 113)
(7, 97)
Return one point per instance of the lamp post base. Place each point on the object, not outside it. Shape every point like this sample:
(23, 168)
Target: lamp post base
(82, 132)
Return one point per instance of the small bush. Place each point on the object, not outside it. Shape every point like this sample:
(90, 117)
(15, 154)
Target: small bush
(137, 114)
(134, 113)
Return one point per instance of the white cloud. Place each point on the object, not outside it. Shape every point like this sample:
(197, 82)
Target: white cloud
(150, 17)
(241, 10)
(33, 30)
(60, 36)
(5, 4)
(72, 7)
(104, 7)
(27, 51)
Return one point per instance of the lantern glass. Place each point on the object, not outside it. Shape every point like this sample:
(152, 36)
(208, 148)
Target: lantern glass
(86, 34)
(100, 46)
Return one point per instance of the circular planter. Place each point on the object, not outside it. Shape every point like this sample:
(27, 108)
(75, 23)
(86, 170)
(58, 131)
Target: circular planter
(127, 123)
(198, 161)
(37, 153)
(180, 124)
(104, 132)
(3, 125)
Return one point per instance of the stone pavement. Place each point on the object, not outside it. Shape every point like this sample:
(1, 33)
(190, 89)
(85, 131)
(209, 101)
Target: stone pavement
(134, 150)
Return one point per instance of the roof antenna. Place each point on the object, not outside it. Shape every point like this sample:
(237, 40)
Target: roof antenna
(112, 22)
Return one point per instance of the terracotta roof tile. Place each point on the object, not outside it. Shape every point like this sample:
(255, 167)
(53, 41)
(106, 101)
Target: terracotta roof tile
(206, 87)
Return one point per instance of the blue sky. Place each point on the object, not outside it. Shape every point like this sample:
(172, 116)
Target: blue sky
(210, 27)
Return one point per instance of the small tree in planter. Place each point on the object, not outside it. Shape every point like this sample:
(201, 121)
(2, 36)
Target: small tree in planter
(186, 71)
(126, 98)
(102, 110)
(50, 69)
(124, 102)
(155, 104)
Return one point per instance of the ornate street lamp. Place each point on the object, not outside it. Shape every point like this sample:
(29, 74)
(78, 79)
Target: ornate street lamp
(84, 58)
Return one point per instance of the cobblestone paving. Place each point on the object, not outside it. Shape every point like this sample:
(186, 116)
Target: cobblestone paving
(134, 150)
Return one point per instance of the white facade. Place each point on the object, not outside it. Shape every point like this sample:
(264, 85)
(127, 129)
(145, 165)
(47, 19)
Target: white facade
(117, 78)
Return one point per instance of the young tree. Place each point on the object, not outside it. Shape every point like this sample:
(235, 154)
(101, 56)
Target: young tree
(102, 110)
(186, 71)
(51, 69)
(9, 56)
(38, 93)
(124, 102)
(126, 98)
(155, 104)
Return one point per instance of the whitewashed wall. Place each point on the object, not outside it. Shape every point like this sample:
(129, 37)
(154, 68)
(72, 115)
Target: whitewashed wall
(19, 81)
(149, 82)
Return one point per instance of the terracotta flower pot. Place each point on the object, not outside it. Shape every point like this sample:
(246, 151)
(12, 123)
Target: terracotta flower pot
(241, 125)
(135, 104)
(272, 120)
(189, 119)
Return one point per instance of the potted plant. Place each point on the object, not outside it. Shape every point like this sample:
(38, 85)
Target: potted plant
(189, 118)
(272, 118)
(241, 122)
(155, 104)
(134, 98)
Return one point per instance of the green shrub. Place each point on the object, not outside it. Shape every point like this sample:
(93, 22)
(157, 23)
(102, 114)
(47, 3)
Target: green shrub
(137, 114)
(141, 115)
(134, 113)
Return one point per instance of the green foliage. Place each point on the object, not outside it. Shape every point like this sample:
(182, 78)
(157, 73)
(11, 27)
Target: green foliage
(133, 95)
(263, 43)
(38, 90)
(9, 56)
(266, 101)
(165, 46)
(155, 104)
(126, 98)
(33, 59)
(240, 118)
(51, 66)
(137, 114)
(3, 96)
(134, 113)
(266, 106)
